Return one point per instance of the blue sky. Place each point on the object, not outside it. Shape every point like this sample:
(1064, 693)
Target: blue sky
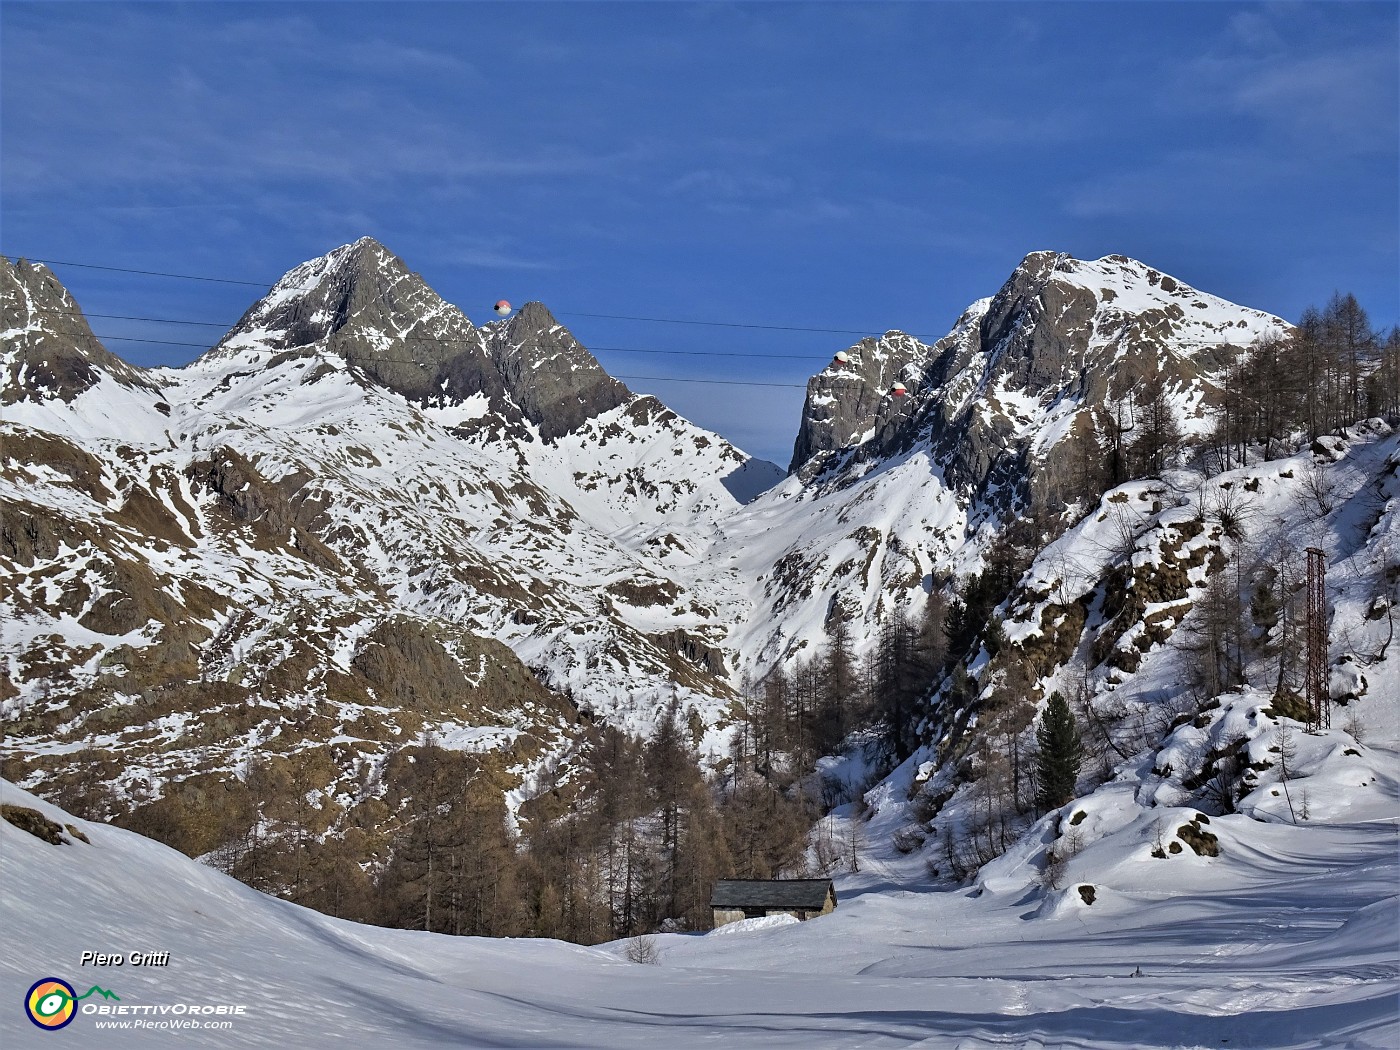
(843, 166)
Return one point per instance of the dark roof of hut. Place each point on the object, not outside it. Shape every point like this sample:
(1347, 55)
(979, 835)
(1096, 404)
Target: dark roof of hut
(770, 893)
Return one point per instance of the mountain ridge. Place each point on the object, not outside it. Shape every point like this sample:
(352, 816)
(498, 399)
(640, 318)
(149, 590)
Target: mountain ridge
(361, 519)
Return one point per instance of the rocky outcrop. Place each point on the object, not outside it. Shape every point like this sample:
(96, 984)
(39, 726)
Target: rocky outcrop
(849, 403)
(249, 498)
(47, 349)
(1011, 397)
(556, 382)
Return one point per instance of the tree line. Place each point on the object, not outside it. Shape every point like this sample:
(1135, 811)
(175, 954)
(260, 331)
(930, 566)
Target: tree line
(645, 833)
(632, 845)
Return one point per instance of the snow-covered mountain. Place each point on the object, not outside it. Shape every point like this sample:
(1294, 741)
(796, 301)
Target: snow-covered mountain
(349, 522)
(359, 519)
(359, 516)
(891, 494)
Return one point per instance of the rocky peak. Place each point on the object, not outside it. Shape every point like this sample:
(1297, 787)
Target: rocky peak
(47, 349)
(1106, 325)
(362, 304)
(996, 397)
(847, 403)
(362, 291)
(557, 383)
(1036, 327)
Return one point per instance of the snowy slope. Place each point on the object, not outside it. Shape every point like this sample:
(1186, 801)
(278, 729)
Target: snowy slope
(459, 501)
(1109, 615)
(1291, 945)
(892, 494)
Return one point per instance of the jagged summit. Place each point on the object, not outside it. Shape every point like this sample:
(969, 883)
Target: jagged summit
(360, 303)
(47, 350)
(557, 383)
(358, 297)
(1062, 336)
(1056, 315)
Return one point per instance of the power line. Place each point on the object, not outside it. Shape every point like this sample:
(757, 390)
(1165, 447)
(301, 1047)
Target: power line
(431, 339)
(563, 313)
(459, 341)
(608, 349)
(721, 324)
(153, 320)
(612, 375)
(153, 342)
(712, 382)
(144, 273)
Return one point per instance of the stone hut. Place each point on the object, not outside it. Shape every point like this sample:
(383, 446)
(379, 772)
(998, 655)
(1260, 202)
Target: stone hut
(735, 899)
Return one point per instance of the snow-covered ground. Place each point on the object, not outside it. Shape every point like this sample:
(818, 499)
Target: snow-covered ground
(1288, 939)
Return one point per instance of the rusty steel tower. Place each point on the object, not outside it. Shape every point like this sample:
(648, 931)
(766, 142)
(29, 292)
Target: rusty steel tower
(1319, 702)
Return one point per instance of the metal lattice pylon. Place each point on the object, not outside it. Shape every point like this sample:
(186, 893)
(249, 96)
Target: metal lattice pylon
(1319, 702)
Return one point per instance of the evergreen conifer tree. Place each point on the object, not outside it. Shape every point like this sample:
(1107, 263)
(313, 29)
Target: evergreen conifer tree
(1057, 763)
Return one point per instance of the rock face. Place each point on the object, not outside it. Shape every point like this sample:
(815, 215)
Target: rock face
(361, 303)
(357, 519)
(847, 403)
(47, 350)
(1014, 389)
(555, 381)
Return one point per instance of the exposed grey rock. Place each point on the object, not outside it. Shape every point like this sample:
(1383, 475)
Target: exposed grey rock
(48, 349)
(846, 402)
(361, 303)
(557, 383)
(1059, 331)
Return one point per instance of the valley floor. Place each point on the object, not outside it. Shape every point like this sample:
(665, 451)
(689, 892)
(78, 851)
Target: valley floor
(1290, 939)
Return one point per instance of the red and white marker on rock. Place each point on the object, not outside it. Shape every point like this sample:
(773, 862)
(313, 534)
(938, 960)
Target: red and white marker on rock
(842, 359)
(899, 390)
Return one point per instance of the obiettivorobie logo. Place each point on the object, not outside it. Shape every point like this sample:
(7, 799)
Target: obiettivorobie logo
(53, 1003)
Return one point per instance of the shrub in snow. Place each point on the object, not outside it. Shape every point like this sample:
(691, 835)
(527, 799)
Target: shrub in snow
(643, 950)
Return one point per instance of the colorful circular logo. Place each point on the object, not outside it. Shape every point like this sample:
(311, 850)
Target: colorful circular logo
(50, 1003)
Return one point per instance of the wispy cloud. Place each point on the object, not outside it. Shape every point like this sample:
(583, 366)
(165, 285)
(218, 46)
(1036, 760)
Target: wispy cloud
(710, 183)
(1346, 98)
(1256, 31)
(973, 124)
(1297, 84)
(280, 101)
(1270, 101)
(1171, 183)
(491, 255)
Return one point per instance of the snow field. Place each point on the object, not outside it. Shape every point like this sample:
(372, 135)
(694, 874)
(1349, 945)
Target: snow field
(1288, 945)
